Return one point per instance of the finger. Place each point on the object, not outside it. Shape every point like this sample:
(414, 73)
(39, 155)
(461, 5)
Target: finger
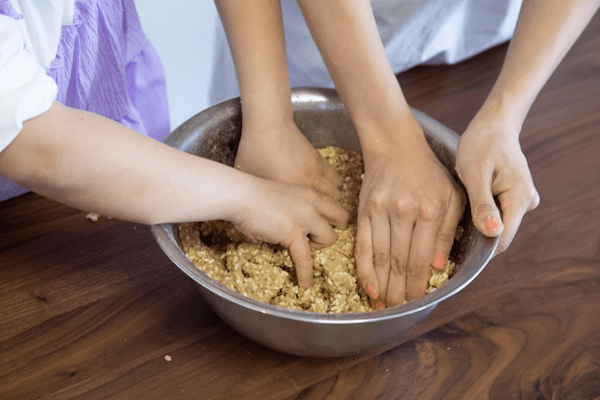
(327, 187)
(486, 216)
(364, 257)
(419, 258)
(332, 211)
(445, 235)
(317, 246)
(515, 203)
(300, 253)
(331, 174)
(401, 231)
(381, 236)
(320, 233)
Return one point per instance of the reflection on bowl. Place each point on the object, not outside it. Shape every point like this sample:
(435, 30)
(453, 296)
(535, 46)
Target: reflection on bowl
(320, 115)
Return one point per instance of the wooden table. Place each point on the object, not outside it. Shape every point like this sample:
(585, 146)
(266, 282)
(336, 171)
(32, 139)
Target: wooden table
(96, 310)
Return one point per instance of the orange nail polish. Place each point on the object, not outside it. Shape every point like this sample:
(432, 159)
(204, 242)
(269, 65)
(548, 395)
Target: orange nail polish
(439, 262)
(379, 305)
(372, 290)
(491, 225)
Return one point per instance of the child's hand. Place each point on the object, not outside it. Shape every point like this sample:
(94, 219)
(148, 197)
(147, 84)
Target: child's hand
(294, 216)
(271, 146)
(409, 209)
(490, 163)
(285, 155)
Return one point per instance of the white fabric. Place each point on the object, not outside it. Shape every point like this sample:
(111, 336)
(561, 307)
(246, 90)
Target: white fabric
(413, 32)
(42, 25)
(27, 48)
(25, 89)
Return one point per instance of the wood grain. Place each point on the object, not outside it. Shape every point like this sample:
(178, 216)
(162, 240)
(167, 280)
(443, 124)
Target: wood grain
(90, 310)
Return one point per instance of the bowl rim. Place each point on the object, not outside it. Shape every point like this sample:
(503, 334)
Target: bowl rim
(167, 233)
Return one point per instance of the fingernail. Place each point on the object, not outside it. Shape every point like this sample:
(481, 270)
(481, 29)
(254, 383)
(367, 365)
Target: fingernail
(372, 290)
(379, 305)
(491, 224)
(439, 261)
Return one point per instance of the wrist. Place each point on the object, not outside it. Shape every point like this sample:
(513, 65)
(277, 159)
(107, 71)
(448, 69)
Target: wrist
(246, 199)
(260, 117)
(399, 131)
(501, 114)
(505, 108)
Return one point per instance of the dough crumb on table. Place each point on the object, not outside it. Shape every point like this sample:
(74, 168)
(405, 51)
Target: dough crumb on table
(93, 217)
(265, 272)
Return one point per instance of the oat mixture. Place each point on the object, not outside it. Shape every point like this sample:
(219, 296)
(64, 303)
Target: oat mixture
(266, 272)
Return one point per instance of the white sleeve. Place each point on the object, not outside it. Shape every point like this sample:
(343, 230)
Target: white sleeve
(25, 89)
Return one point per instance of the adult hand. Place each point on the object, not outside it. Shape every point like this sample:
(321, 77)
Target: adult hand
(294, 216)
(490, 163)
(284, 154)
(409, 209)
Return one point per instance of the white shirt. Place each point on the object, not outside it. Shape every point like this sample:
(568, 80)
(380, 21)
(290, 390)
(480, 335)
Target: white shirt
(413, 32)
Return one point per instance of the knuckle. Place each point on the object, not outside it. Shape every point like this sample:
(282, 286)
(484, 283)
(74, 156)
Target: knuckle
(484, 208)
(445, 237)
(403, 205)
(530, 192)
(534, 202)
(398, 266)
(381, 259)
(533, 197)
(429, 210)
(378, 200)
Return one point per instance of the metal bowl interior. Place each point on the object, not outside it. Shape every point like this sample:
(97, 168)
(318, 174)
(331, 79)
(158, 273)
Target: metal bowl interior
(320, 115)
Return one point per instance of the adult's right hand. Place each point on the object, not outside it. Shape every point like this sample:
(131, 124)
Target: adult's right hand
(409, 210)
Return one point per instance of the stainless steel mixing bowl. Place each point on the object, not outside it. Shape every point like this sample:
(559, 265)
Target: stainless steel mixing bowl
(320, 115)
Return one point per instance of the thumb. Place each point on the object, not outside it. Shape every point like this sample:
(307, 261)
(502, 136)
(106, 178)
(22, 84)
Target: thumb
(485, 213)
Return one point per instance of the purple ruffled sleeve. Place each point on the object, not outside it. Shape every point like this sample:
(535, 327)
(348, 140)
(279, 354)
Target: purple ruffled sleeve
(105, 65)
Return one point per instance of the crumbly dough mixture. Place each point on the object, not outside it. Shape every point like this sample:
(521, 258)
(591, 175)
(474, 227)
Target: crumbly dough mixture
(266, 272)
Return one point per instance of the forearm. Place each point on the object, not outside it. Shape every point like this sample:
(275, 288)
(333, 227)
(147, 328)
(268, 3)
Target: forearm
(256, 39)
(545, 32)
(95, 164)
(346, 33)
